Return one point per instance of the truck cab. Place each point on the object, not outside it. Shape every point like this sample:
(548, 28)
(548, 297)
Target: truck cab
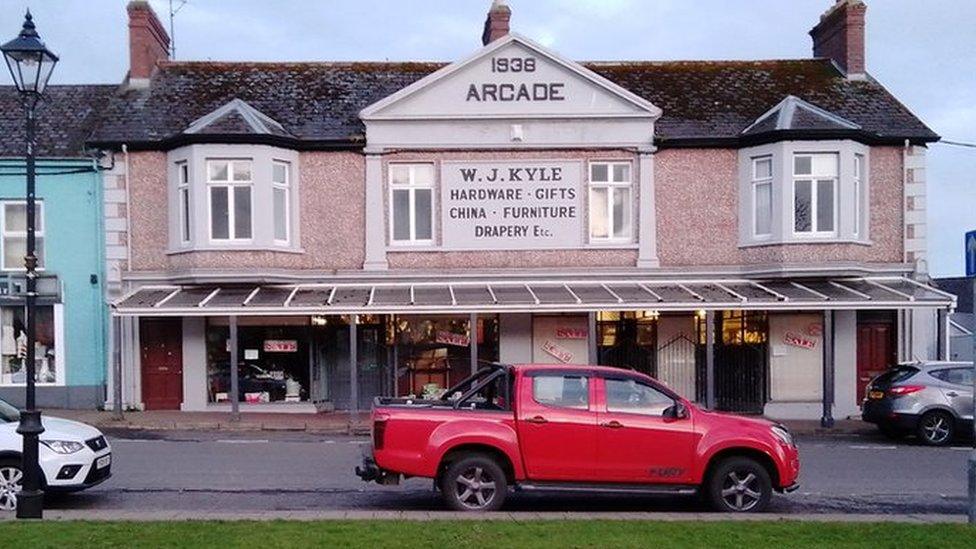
(576, 428)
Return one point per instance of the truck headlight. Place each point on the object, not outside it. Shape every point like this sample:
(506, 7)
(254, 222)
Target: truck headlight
(783, 434)
(63, 446)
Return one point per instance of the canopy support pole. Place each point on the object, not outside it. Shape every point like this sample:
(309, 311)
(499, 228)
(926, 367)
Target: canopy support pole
(235, 389)
(710, 359)
(473, 342)
(827, 420)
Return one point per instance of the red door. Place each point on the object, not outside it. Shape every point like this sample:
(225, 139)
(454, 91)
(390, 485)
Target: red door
(557, 427)
(162, 363)
(636, 443)
(875, 351)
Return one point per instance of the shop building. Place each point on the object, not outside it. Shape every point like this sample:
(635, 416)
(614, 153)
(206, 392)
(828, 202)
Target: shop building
(752, 233)
(71, 309)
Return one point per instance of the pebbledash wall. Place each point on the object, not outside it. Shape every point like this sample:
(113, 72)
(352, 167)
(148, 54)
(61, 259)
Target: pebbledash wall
(72, 317)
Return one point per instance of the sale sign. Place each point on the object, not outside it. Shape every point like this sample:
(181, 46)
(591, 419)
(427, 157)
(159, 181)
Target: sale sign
(280, 346)
(798, 340)
(571, 333)
(562, 355)
(449, 338)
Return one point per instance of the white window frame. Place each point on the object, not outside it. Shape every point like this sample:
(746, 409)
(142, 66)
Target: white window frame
(814, 195)
(412, 186)
(183, 197)
(858, 190)
(286, 187)
(610, 185)
(754, 189)
(38, 234)
(231, 199)
(59, 354)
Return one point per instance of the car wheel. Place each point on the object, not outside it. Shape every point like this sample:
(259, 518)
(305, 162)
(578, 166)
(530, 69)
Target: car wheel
(890, 431)
(11, 484)
(740, 485)
(474, 482)
(936, 428)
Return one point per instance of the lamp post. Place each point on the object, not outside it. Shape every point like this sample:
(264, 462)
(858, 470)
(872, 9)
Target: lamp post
(30, 64)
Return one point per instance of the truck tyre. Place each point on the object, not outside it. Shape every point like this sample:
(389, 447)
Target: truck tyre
(739, 485)
(474, 482)
(936, 428)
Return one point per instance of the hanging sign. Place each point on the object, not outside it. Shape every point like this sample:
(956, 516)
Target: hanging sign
(559, 353)
(280, 346)
(449, 338)
(798, 340)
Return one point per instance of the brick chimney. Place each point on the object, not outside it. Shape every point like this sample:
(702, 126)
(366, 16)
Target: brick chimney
(497, 23)
(148, 42)
(840, 36)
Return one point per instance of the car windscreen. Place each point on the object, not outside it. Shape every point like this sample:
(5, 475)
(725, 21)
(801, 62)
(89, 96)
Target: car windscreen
(8, 414)
(895, 375)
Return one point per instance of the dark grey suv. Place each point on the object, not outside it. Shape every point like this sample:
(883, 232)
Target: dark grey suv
(933, 400)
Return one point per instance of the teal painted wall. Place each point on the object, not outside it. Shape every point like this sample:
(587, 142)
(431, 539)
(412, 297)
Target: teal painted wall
(74, 250)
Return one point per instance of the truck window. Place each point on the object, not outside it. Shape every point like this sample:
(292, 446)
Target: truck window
(632, 397)
(561, 391)
(493, 396)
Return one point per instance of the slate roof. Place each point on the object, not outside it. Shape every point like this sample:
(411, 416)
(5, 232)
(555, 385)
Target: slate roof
(704, 102)
(65, 120)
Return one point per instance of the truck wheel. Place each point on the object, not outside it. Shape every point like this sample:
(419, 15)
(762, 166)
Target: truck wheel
(474, 482)
(936, 428)
(740, 485)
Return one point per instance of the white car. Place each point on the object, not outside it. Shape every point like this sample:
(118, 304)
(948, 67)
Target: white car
(73, 456)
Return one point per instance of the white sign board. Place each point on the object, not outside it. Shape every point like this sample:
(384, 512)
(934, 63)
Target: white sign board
(512, 205)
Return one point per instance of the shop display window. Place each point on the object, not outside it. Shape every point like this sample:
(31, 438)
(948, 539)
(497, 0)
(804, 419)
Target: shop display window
(627, 339)
(13, 346)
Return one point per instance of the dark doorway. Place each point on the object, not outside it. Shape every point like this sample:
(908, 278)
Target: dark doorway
(741, 361)
(161, 340)
(876, 350)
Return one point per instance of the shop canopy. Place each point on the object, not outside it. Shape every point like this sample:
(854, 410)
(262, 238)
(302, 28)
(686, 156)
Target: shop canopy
(550, 294)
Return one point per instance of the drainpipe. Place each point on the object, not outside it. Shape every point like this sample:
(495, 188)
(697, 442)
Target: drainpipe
(905, 316)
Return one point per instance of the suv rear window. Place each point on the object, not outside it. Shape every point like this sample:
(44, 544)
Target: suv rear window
(896, 374)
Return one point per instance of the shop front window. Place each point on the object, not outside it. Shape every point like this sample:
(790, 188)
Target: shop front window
(273, 361)
(13, 346)
(627, 340)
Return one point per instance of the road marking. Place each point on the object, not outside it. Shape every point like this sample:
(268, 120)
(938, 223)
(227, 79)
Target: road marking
(871, 447)
(329, 442)
(243, 441)
(961, 448)
(358, 442)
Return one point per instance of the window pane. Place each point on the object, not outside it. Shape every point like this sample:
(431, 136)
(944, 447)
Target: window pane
(219, 213)
(802, 165)
(401, 215)
(857, 206)
(621, 173)
(825, 165)
(825, 205)
(16, 217)
(279, 173)
(598, 213)
(621, 213)
(38, 250)
(763, 168)
(629, 396)
(280, 214)
(14, 340)
(599, 173)
(217, 170)
(242, 170)
(242, 212)
(185, 212)
(399, 174)
(423, 205)
(423, 175)
(561, 391)
(14, 250)
(184, 173)
(858, 165)
(764, 208)
(802, 206)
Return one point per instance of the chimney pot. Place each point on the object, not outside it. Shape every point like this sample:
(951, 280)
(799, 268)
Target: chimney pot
(839, 35)
(148, 42)
(498, 22)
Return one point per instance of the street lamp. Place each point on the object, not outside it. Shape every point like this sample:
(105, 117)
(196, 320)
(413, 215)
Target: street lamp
(30, 64)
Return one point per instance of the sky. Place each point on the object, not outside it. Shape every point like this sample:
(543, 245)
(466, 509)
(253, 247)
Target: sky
(923, 52)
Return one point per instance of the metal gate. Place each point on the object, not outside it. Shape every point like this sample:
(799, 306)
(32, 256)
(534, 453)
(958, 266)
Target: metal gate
(740, 378)
(676, 366)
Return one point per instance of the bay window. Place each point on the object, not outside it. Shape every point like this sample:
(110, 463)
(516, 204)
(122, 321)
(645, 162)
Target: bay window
(762, 196)
(814, 193)
(281, 198)
(14, 234)
(411, 203)
(183, 191)
(229, 185)
(858, 170)
(611, 202)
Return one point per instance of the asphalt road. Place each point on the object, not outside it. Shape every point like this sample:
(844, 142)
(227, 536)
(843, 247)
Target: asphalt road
(249, 472)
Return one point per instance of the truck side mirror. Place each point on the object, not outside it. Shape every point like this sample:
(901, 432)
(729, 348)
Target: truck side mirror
(676, 411)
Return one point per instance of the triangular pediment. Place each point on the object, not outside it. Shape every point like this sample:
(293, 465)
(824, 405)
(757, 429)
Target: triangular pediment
(236, 117)
(512, 78)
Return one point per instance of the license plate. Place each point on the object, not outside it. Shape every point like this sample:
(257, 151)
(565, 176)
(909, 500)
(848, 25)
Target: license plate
(876, 395)
(103, 462)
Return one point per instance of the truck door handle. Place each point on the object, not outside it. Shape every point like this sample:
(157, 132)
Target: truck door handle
(612, 424)
(538, 420)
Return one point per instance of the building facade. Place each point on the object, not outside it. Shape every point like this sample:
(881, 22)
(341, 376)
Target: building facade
(72, 311)
(751, 233)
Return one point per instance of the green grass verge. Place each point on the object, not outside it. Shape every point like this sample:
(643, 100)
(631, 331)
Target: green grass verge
(500, 534)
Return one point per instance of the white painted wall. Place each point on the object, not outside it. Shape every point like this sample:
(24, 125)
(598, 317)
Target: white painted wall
(846, 400)
(515, 338)
(194, 364)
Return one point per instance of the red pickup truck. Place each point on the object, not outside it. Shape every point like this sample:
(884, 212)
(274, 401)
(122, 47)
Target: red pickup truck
(576, 428)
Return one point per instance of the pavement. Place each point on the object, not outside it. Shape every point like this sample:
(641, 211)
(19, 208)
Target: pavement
(324, 423)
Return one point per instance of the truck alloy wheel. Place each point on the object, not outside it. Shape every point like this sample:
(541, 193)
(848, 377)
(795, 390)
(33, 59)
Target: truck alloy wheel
(474, 483)
(740, 485)
(11, 479)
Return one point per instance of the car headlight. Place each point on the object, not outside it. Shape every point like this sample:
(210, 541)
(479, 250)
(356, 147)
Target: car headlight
(63, 446)
(783, 434)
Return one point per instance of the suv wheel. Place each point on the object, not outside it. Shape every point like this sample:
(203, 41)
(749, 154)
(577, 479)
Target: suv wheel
(740, 485)
(474, 482)
(936, 428)
(11, 484)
